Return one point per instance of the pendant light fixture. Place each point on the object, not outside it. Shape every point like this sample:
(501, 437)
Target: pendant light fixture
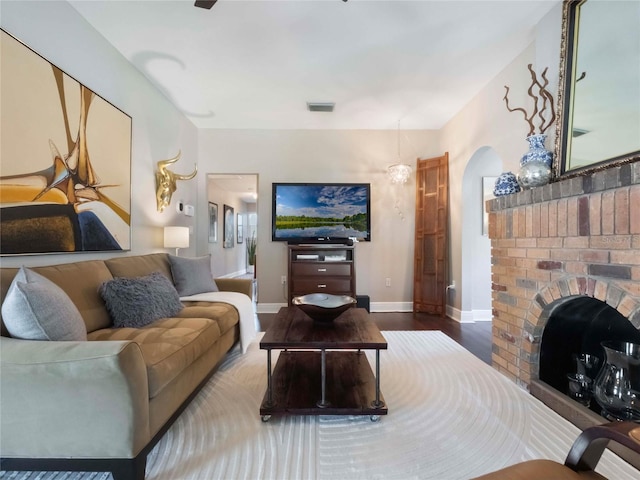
(399, 173)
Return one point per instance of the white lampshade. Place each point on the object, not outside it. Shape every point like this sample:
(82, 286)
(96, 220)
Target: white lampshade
(176, 237)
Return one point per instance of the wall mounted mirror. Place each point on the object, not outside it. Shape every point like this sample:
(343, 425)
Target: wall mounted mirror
(598, 122)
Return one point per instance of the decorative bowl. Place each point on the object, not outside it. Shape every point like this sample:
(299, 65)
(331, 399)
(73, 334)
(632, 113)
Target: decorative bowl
(506, 184)
(323, 307)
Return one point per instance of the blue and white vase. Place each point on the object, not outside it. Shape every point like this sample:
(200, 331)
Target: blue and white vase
(506, 184)
(537, 151)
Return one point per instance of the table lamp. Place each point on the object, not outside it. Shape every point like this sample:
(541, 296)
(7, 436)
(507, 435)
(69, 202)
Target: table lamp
(176, 237)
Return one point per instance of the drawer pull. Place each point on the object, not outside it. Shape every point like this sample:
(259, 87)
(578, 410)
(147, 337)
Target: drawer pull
(322, 269)
(322, 285)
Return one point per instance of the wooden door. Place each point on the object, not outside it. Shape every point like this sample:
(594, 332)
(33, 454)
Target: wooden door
(431, 258)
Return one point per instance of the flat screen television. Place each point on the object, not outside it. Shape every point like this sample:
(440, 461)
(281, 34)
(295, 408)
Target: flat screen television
(321, 212)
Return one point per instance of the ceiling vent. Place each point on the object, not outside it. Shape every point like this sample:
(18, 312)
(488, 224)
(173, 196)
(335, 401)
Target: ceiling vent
(205, 3)
(320, 107)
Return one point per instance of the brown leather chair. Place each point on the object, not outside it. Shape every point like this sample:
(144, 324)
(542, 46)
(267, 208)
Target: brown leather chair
(582, 459)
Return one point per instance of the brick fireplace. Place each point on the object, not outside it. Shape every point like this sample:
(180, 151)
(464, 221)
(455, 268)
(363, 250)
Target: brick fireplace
(578, 237)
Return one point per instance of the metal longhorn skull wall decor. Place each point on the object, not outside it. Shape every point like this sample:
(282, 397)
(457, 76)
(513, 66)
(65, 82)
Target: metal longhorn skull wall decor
(166, 181)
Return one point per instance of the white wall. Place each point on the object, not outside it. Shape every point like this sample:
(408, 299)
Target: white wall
(485, 122)
(327, 156)
(363, 156)
(58, 33)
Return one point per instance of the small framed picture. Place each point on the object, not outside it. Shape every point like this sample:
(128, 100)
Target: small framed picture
(229, 231)
(488, 183)
(213, 222)
(240, 234)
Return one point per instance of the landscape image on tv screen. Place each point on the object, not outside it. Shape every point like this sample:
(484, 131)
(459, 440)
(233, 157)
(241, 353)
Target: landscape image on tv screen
(305, 211)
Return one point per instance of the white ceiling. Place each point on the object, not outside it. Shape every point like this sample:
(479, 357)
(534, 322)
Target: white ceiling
(245, 186)
(255, 64)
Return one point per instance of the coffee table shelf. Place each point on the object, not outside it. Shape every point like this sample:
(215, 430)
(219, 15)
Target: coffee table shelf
(297, 385)
(321, 369)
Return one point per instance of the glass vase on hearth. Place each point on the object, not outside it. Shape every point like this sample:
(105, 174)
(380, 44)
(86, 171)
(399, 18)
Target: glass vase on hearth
(534, 174)
(580, 388)
(581, 382)
(617, 386)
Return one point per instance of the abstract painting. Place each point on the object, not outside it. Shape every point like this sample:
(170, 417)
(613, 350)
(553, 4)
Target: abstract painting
(65, 158)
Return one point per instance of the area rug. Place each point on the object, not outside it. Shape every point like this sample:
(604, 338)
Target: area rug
(451, 416)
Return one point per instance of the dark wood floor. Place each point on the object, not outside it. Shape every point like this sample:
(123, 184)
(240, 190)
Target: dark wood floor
(475, 337)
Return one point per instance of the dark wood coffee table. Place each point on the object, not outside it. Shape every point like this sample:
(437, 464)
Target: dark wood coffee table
(322, 369)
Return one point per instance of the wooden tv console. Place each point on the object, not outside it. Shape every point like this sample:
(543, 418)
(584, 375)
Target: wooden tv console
(321, 268)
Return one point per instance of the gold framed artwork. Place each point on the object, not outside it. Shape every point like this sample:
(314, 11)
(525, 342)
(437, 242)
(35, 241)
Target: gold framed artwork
(65, 157)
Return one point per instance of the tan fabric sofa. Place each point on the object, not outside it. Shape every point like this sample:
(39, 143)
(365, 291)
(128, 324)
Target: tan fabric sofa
(101, 405)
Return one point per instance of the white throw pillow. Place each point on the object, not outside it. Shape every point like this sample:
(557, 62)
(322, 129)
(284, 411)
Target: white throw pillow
(35, 308)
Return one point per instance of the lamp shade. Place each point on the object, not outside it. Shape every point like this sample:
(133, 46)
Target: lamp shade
(176, 237)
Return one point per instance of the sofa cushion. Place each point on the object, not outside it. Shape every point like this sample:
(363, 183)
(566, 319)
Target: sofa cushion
(224, 313)
(168, 345)
(192, 275)
(35, 308)
(139, 265)
(138, 301)
(80, 281)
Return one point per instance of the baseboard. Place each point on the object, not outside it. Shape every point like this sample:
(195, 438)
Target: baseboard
(468, 316)
(483, 315)
(391, 306)
(239, 273)
(269, 307)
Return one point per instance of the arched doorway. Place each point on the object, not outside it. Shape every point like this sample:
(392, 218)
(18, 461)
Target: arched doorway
(485, 164)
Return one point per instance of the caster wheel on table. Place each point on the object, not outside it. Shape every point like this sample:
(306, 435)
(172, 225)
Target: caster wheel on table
(375, 418)
(266, 418)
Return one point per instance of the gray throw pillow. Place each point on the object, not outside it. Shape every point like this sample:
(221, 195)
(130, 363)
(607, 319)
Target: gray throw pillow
(35, 308)
(138, 301)
(192, 275)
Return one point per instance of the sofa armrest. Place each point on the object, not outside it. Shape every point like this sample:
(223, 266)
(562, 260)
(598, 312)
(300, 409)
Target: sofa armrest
(72, 399)
(240, 285)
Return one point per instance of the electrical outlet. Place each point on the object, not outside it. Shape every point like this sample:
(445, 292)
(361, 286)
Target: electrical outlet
(387, 282)
(283, 279)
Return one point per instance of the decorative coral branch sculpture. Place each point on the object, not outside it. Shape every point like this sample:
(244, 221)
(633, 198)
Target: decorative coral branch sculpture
(542, 103)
